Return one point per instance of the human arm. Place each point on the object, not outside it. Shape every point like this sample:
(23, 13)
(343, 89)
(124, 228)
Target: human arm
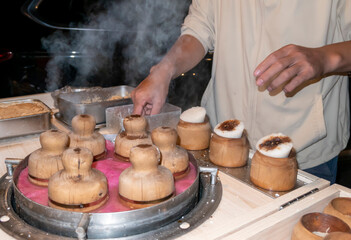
(293, 65)
(150, 95)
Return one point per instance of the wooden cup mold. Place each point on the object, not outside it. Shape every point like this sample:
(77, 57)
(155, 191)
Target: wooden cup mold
(312, 223)
(173, 157)
(84, 135)
(275, 174)
(338, 236)
(134, 134)
(145, 183)
(340, 207)
(47, 160)
(229, 152)
(194, 136)
(77, 187)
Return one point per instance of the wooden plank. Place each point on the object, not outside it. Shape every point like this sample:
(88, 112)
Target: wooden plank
(280, 224)
(17, 150)
(237, 200)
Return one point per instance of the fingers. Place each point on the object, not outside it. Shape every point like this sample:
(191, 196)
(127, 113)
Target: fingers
(283, 77)
(288, 67)
(156, 109)
(275, 69)
(150, 95)
(293, 84)
(145, 104)
(138, 109)
(138, 106)
(147, 109)
(269, 61)
(140, 102)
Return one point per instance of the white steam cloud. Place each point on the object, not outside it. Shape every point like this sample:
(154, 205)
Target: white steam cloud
(129, 37)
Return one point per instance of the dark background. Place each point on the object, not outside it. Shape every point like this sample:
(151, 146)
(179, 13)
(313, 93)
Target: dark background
(25, 72)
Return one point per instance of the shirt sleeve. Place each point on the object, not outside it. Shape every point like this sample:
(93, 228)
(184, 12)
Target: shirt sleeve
(199, 23)
(344, 19)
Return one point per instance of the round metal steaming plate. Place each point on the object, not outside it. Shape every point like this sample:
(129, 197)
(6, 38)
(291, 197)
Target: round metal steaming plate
(57, 222)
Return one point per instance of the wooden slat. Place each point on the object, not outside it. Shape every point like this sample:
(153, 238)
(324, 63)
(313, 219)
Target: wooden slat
(280, 224)
(237, 200)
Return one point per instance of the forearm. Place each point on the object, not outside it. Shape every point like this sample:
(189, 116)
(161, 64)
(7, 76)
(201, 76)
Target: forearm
(185, 54)
(337, 57)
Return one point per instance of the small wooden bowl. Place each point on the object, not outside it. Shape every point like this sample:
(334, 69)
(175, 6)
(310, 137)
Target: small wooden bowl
(275, 174)
(84, 135)
(340, 207)
(311, 224)
(135, 133)
(338, 236)
(229, 152)
(194, 136)
(145, 183)
(173, 157)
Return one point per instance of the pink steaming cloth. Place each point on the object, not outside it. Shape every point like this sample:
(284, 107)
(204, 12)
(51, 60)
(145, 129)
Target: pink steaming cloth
(112, 167)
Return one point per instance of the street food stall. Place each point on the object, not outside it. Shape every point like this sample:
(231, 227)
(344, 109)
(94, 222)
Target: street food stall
(219, 203)
(75, 163)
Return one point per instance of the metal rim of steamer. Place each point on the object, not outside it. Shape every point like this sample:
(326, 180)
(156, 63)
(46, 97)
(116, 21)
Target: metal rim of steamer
(28, 219)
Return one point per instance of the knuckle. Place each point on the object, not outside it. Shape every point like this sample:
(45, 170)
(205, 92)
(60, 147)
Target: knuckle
(291, 47)
(286, 75)
(308, 73)
(296, 81)
(275, 56)
(273, 85)
(280, 64)
(288, 88)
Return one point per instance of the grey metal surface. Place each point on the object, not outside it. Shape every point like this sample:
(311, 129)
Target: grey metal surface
(25, 125)
(240, 173)
(93, 102)
(70, 89)
(168, 117)
(193, 206)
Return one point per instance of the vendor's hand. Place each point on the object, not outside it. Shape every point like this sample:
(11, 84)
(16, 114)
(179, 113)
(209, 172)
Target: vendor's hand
(150, 95)
(290, 66)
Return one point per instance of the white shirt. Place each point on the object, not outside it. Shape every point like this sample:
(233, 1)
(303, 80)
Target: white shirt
(244, 32)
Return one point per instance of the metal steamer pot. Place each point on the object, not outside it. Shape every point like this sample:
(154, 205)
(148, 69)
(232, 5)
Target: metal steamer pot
(27, 218)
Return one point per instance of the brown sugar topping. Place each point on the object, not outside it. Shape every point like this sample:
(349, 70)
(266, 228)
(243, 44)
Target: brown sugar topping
(229, 125)
(144, 145)
(273, 142)
(134, 116)
(77, 150)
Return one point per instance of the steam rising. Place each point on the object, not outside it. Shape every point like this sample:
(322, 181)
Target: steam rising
(129, 37)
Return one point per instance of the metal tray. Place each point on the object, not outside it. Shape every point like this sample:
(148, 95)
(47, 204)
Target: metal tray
(25, 125)
(168, 117)
(93, 102)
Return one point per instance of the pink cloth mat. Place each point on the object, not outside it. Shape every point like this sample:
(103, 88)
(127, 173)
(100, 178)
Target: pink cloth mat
(112, 167)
